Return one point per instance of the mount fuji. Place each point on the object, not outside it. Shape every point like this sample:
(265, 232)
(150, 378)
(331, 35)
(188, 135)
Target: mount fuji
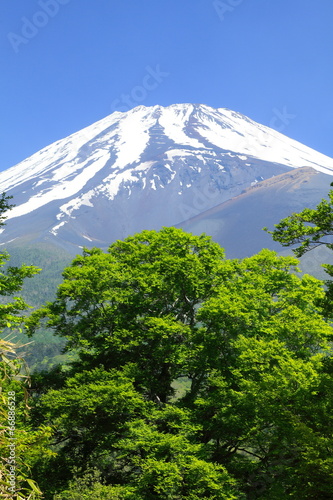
(184, 165)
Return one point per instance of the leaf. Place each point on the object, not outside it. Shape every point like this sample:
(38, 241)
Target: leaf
(33, 486)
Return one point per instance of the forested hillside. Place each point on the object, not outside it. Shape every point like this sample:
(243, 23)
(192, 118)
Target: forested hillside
(44, 350)
(189, 375)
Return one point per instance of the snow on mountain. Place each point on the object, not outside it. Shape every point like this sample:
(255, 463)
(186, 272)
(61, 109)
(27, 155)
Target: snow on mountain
(148, 167)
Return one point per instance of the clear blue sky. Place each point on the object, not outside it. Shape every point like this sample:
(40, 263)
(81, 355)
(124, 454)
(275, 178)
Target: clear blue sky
(68, 63)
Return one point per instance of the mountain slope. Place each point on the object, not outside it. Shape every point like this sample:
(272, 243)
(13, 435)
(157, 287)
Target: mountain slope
(237, 223)
(143, 169)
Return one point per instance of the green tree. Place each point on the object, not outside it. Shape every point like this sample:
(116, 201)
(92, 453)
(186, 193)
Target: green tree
(250, 338)
(310, 229)
(145, 458)
(11, 281)
(20, 445)
(30, 444)
(265, 349)
(137, 304)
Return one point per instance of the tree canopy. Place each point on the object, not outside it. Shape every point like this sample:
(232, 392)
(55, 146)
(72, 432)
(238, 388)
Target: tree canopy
(310, 227)
(20, 445)
(194, 376)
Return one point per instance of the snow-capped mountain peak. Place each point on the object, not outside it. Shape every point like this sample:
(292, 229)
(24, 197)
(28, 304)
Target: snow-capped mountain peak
(184, 156)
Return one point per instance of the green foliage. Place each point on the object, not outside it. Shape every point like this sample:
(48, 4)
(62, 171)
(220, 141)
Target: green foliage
(46, 349)
(310, 227)
(4, 206)
(20, 445)
(136, 304)
(250, 342)
(51, 261)
(11, 281)
(165, 464)
(89, 487)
